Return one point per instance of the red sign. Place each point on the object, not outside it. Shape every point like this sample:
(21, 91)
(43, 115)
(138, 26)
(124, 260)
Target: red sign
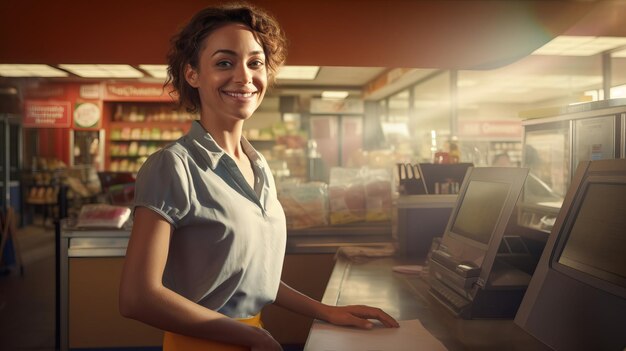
(47, 114)
(508, 129)
(137, 92)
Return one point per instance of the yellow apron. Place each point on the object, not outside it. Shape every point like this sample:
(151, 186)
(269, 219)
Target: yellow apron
(177, 342)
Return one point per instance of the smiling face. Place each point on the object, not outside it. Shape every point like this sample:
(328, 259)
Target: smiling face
(231, 76)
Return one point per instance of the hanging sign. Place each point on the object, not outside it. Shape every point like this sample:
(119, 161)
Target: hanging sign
(137, 92)
(490, 129)
(86, 115)
(46, 114)
(90, 91)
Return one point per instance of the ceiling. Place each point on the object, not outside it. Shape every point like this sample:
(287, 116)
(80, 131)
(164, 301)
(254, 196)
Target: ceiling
(351, 79)
(348, 37)
(361, 33)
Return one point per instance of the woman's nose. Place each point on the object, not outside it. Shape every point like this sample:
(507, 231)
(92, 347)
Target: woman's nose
(243, 74)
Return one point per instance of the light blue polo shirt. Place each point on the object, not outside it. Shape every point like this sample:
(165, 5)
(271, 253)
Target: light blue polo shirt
(227, 249)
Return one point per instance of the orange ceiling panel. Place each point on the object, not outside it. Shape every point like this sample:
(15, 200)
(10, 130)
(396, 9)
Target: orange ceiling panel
(391, 33)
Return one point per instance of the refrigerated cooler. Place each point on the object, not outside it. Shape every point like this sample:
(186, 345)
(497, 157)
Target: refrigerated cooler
(554, 144)
(87, 148)
(339, 138)
(10, 160)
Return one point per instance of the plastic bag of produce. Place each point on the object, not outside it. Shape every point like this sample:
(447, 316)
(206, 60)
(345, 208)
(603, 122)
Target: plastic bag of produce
(305, 204)
(346, 195)
(378, 200)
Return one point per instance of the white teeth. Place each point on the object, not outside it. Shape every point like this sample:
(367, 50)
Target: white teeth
(238, 95)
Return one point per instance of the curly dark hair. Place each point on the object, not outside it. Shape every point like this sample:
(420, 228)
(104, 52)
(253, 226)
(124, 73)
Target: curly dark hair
(186, 46)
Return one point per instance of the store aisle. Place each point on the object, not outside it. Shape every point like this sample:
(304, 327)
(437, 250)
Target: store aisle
(27, 303)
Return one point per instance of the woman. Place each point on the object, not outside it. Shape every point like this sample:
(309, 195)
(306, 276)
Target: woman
(208, 240)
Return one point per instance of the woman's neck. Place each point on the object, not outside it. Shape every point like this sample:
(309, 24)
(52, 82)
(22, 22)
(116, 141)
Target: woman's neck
(228, 137)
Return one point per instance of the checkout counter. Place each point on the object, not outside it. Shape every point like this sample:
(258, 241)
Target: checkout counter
(406, 297)
(91, 261)
(91, 264)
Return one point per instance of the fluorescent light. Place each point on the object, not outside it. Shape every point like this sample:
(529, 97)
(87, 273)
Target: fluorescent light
(34, 70)
(565, 45)
(157, 71)
(336, 95)
(621, 53)
(103, 71)
(298, 72)
(464, 83)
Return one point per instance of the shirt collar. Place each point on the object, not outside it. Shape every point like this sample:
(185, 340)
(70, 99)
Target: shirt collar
(253, 155)
(213, 152)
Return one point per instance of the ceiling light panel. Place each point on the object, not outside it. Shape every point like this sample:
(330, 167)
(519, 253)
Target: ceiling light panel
(30, 70)
(580, 45)
(298, 72)
(621, 53)
(103, 71)
(335, 95)
(156, 71)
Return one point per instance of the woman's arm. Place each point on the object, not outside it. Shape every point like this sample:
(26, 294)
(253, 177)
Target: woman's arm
(143, 297)
(352, 315)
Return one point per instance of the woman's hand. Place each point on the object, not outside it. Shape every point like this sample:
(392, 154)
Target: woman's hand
(357, 316)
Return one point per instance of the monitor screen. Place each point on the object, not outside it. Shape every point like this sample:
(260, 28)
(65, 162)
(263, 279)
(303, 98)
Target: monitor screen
(596, 244)
(480, 210)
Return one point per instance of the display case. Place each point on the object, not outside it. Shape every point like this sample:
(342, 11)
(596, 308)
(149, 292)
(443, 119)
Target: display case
(553, 145)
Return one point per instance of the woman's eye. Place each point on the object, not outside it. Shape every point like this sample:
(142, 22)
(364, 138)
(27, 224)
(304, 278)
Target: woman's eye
(224, 64)
(257, 63)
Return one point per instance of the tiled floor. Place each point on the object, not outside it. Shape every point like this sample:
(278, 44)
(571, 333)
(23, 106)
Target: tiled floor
(27, 302)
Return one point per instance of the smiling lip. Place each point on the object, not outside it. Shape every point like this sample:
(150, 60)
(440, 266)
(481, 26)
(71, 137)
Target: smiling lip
(242, 95)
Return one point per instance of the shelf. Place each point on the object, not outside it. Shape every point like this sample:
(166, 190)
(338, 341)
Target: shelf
(160, 126)
(128, 156)
(140, 140)
(152, 124)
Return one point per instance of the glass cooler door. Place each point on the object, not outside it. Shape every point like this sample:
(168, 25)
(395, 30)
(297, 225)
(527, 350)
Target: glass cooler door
(547, 154)
(87, 148)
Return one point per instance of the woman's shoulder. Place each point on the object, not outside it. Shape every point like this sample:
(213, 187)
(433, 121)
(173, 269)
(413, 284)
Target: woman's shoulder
(170, 157)
(176, 150)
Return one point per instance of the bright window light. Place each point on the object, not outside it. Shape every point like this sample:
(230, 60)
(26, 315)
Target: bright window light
(30, 70)
(103, 71)
(334, 95)
(298, 72)
(565, 45)
(618, 92)
(157, 71)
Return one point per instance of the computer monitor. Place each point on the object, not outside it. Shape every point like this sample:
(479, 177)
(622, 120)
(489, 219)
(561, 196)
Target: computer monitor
(577, 297)
(465, 275)
(485, 203)
(594, 252)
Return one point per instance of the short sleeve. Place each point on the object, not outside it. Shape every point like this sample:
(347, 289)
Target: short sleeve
(162, 185)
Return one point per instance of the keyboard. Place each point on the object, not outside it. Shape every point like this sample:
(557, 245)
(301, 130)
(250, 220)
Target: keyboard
(448, 296)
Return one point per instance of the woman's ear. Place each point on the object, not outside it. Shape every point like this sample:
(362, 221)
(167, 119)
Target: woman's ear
(191, 76)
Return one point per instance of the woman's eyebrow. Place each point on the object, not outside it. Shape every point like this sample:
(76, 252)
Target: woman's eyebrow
(233, 53)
